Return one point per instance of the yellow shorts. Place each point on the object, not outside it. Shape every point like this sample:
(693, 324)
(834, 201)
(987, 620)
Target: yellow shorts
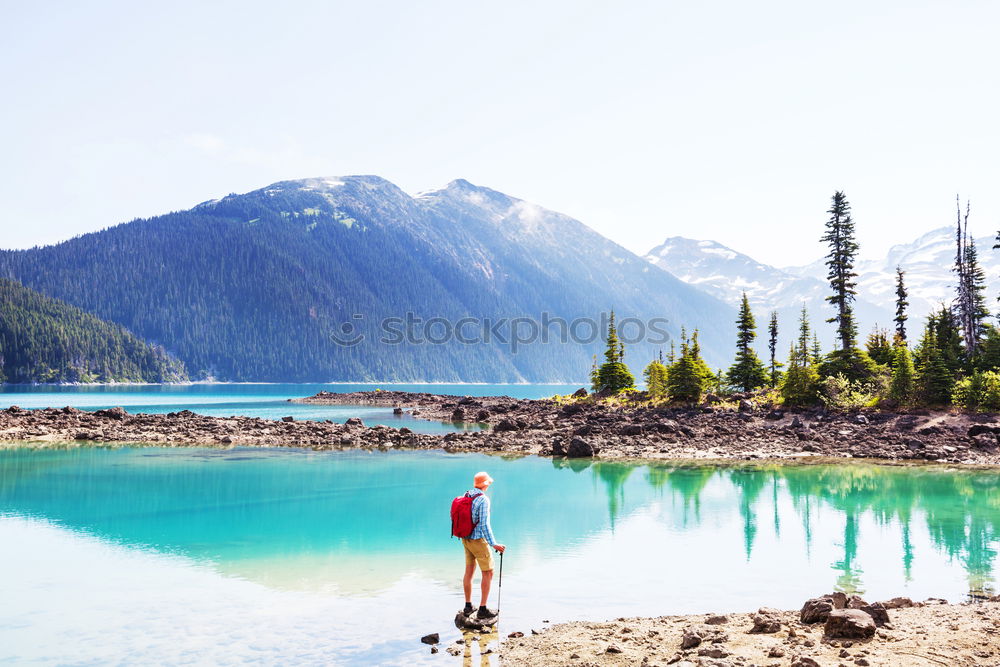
(478, 551)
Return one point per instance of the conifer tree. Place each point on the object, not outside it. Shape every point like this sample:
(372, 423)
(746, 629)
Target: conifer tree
(948, 338)
(704, 372)
(901, 304)
(901, 387)
(879, 348)
(800, 384)
(970, 303)
(686, 378)
(772, 346)
(817, 350)
(989, 351)
(840, 238)
(656, 379)
(804, 331)
(747, 372)
(614, 375)
(935, 380)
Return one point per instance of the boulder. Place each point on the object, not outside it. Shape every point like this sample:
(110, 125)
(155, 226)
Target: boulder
(796, 422)
(897, 603)
(397, 411)
(816, 610)
(878, 613)
(580, 448)
(580, 393)
(690, 639)
(288, 419)
(354, 421)
(632, 429)
(766, 621)
(849, 624)
(804, 661)
(473, 622)
(774, 415)
(571, 409)
(716, 619)
(505, 425)
(433, 638)
(745, 405)
(558, 447)
(860, 419)
(458, 415)
(114, 413)
(984, 441)
(482, 415)
(980, 429)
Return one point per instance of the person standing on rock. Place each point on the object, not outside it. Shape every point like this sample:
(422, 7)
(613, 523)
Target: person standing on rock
(477, 545)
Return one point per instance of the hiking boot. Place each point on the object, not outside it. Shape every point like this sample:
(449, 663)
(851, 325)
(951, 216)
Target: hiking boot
(486, 613)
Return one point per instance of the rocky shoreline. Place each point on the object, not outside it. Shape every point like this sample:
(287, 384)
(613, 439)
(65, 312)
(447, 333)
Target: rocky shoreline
(831, 631)
(576, 427)
(585, 426)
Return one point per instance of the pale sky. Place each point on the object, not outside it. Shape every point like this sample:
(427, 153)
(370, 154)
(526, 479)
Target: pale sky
(733, 121)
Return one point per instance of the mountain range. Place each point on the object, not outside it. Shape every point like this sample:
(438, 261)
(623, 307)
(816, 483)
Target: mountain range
(296, 281)
(927, 261)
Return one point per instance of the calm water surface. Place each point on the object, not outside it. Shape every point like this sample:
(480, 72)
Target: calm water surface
(269, 401)
(212, 556)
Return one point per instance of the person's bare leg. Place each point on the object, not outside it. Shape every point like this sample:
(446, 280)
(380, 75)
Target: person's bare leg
(487, 581)
(470, 569)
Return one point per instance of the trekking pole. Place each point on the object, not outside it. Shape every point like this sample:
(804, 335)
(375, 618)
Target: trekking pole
(500, 583)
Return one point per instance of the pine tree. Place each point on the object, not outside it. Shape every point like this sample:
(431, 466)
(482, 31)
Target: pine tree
(817, 350)
(948, 338)
(879, 348)
(901, 304)
(614, 375)
(800, 385)
(989, 351)
(656, 378)
(901, 387)
(686, 377)
(747, 372)
(772, 346)
(970, 302)
(935, 380)
(840, 262)
(804, 331)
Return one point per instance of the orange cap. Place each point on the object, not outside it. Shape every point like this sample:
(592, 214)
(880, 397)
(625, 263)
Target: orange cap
(481, 479)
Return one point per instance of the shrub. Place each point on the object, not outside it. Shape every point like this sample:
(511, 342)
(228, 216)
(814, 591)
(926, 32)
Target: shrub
(979, 391)
(840, 394)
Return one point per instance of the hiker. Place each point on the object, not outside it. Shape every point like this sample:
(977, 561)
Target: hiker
(478, 543)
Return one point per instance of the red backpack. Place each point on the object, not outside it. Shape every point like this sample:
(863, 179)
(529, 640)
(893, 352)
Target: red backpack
(461, 515)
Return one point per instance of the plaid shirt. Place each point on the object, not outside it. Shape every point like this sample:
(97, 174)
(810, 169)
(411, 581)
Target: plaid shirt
(481, 517)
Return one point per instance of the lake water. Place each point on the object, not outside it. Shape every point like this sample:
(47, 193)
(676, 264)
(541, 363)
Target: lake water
(284, 556)
(269, 401)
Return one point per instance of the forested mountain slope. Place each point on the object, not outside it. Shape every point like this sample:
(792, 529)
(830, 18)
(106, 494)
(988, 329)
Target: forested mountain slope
(257, 287)
(45, 340)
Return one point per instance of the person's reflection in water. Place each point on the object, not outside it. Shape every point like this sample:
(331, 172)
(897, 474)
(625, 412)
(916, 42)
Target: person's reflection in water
(471, 637)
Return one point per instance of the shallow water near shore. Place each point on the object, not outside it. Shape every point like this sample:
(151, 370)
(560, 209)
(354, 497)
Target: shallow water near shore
(228, 556)
(268, 401)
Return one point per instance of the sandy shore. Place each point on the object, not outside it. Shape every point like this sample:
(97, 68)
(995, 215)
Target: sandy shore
(936, 634)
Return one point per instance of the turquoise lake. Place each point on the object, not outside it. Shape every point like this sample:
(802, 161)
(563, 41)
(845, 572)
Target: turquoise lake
(268, 401)
(166, 556)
